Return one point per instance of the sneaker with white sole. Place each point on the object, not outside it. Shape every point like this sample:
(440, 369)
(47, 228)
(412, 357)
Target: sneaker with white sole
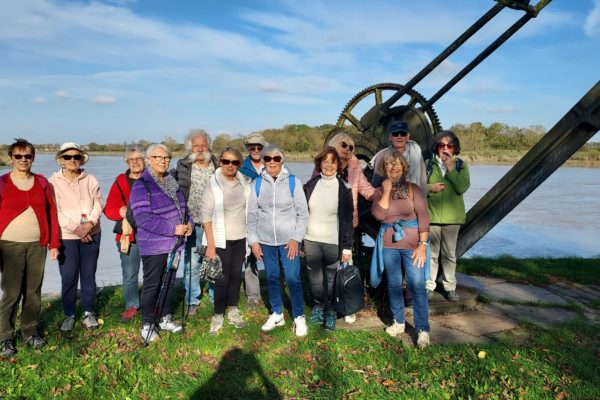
(89, 320)
(216, 324)
(235, 319)
(68, 323)
(167, 324)
(273, 321)
(149, 333)
(423, 339)
(394, 329)
(350, 319)
(300, 328)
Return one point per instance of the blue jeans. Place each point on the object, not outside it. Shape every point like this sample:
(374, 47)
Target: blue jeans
(191, 258)
(78, 262)
(291, 268)
(397, 261)
(130, 266)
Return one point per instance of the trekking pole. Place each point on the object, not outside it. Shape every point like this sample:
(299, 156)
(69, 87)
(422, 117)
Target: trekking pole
(158, 306)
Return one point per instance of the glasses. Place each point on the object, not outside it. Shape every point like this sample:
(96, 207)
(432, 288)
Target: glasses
(349, 146)
(449, 146)
(235, 163)
(254, 147)
(403, 134)
(26, 156)
(275, 158)
(68, 157)
(393, 164)
(162, 159)
(135, 159)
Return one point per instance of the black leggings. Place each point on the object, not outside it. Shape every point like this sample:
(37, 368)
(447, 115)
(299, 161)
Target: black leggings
(227, 289)
(154, 270)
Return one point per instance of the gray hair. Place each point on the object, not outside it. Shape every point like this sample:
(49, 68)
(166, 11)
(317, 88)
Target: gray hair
(132, 148)
(272, 148)
(232, 150)
(194, 133)
(390, 155)
(339, 137)
(155, 146)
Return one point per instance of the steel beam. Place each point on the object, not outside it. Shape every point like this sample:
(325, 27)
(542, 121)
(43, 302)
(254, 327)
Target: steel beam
(569, 134)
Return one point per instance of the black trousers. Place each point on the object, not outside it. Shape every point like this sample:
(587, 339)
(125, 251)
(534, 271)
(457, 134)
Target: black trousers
(227, 289)
(154, 271)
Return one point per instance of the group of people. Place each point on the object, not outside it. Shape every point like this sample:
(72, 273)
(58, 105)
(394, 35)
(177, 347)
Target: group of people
(237, 215)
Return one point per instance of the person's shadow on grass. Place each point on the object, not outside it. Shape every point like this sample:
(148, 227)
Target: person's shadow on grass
(239, 376)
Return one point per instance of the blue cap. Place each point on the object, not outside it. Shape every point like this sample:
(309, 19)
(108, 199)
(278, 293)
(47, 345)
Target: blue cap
(398, 126)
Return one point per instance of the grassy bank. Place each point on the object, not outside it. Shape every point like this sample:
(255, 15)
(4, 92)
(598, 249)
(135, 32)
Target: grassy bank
(247, 364)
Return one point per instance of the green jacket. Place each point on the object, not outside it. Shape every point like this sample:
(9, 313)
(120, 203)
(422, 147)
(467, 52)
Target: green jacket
(448, 206)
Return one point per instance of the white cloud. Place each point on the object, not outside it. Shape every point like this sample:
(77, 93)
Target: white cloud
(61, 94)
(39, 100)
(592, 22)
(103, 99)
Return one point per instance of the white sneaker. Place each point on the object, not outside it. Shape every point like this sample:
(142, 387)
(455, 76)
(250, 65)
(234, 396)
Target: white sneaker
(216, 324)
(300, 328)
(273, 321)
(423, 340)
(167, 324)
(394, 329)
(149, 333)
(350, 319)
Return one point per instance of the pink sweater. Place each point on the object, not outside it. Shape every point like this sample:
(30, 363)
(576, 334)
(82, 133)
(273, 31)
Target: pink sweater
(402, 209)
(81, 196)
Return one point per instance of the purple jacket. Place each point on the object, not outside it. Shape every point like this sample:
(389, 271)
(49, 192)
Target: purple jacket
(156, 216)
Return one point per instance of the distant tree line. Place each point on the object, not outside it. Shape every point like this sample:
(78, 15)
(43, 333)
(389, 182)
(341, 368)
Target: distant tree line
(478, 140)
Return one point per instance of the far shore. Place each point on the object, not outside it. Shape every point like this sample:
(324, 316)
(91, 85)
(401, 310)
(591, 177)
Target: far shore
(488, 159)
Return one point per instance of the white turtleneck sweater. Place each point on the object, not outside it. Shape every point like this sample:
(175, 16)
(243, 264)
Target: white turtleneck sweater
(323, 211)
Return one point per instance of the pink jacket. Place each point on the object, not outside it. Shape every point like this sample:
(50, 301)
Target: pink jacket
(82, 196)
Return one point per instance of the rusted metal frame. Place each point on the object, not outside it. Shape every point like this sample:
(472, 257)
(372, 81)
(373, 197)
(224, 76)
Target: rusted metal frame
(482, 56)
(569, 134)
(378, 111)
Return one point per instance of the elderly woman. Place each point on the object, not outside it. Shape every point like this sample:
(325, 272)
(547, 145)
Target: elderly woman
(116, 209)
(329, 233)
(448, 180)
(28, 226)
(277, 218)
(351, 173)
(401, 243)
(224, 220)
(163, 220)
(79, 204)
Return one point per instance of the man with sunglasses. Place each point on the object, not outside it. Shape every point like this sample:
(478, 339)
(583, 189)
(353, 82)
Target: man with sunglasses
(192, 174)
(399, 137)
(252, 168)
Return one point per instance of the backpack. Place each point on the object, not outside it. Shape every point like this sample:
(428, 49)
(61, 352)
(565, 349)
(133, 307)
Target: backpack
(458, 166)
(258, 183)
(348, 291)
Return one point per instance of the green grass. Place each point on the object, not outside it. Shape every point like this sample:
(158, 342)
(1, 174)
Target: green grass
(111, 363)
(536, 271)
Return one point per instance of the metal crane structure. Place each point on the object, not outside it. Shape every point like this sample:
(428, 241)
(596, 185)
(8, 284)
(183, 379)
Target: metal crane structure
(369, 130)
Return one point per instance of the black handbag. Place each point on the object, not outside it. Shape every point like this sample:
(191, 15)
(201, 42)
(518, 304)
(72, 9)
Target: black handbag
(348, 290)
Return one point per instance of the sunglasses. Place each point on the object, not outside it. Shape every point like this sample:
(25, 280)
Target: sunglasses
(349, 146)
(396, 134)
(254, 147)
(275, 158)
(75, 157)
(26, 156)
(235, 163)
(449, 146)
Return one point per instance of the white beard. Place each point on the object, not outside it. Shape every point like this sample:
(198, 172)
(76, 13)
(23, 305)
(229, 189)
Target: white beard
(205, 156)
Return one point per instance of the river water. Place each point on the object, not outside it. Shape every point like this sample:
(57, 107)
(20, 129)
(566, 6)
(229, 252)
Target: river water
(560, 218)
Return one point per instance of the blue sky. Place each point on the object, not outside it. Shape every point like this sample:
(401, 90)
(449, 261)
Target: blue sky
(123, 70)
